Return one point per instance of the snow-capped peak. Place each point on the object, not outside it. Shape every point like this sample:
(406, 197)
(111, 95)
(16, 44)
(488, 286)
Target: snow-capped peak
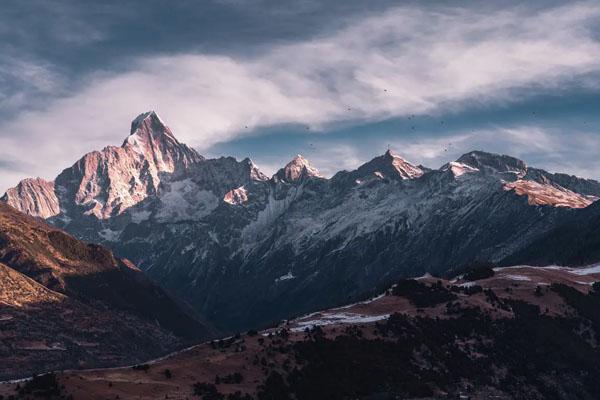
(149, 134)
(108, 182)
(458, 168)
(255, 173)
(296, 169)
(493, 162)
(405, 169)
(152, 115)
(389, 165)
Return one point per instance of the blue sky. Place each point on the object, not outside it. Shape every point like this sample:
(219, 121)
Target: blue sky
(337, 81)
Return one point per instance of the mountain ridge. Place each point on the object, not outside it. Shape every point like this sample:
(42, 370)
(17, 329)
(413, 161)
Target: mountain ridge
(489, 333)
(69, 304)
(39, 197)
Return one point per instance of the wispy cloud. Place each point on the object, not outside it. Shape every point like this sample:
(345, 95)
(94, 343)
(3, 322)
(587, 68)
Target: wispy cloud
(25, 80)
(404, 61)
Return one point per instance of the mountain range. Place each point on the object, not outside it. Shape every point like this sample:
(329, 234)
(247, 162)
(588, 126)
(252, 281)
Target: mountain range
(244, 249)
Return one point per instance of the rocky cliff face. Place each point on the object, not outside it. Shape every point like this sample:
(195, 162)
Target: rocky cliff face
(296, 169)
(246, 249)
(107, 182)
(33, 196)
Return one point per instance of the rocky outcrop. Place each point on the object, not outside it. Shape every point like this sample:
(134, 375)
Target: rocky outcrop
(387, 166)
(236, 196)
(107, 182)
(295, 170)
(33, 196)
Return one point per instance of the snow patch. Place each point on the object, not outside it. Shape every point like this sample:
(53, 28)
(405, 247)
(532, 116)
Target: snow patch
(405, 169)
(338, 318)
(593, 269)
(214, 237)
(135, 144)
(273, 209)
(517, 277)
(547, 194)
(459, 169)
(427, 275)
(237, 196)
(109, 235)
(285, 277)
(184, 200)
(188, 248)
(138, 216)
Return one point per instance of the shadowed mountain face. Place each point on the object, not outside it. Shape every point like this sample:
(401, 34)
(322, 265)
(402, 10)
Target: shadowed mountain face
(245, 249)
(573, 241)
(68, 304)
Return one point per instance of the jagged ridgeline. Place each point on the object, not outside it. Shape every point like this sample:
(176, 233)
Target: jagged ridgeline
(246, 249)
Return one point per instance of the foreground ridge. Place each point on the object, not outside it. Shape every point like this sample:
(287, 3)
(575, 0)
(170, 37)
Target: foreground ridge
(68, 304)
(475, 336)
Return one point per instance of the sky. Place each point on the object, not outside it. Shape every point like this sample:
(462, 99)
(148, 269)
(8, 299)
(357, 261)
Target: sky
(338, 81)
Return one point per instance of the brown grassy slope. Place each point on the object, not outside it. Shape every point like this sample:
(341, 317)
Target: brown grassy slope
(488, 343)
(65, 303)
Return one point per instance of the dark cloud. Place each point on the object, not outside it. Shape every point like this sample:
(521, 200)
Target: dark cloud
(86, 35)
(65, 41)
(8, 164)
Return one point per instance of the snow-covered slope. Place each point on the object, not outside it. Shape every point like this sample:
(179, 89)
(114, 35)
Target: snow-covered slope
(549, 194)
(296, 169)
(222, 234)
(387, 166)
